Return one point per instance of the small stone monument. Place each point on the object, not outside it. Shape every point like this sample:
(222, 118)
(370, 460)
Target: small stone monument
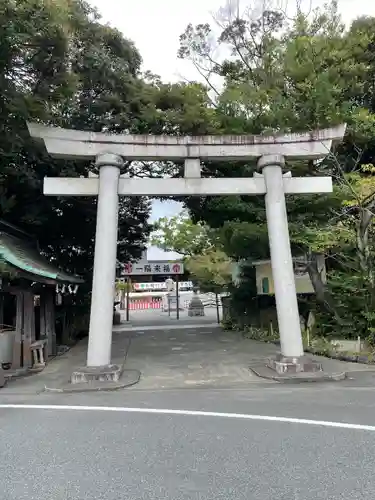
(171, 294)
(196, 307)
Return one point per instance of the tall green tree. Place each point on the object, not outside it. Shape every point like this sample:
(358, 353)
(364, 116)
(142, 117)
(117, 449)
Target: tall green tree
(60, 65)
(212, 270)
(282, 75)
(200, 246)
(179, 234)
(285, 75)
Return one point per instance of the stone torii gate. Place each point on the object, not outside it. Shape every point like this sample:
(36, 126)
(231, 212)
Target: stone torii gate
(109, 151)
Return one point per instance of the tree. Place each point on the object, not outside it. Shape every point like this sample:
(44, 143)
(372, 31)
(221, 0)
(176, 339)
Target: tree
(201, 247)
(179, 234)
(212, 270)
(281, 76)
(285, 75)
(350, 294)
(59, 65)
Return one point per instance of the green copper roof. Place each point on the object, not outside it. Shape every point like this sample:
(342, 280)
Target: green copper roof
(25, 256)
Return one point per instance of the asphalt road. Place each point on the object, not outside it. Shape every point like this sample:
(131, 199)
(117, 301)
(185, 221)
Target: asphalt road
(79, 454)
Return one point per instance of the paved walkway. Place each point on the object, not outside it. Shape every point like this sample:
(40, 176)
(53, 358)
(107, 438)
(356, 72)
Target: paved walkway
(155, 317)
(173, 356)
(193, 357)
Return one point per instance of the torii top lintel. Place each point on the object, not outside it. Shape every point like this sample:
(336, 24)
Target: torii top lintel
(67, 143)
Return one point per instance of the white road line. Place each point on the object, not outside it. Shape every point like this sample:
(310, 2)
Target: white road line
(193, 413)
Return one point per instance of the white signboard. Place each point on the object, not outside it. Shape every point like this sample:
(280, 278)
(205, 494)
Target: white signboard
(140, 287)
(145, 268)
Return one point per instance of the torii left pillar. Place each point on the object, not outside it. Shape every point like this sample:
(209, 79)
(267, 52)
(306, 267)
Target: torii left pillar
(99, 365)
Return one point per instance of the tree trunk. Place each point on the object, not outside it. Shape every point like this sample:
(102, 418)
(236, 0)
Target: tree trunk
(362, 240)
(321, 293)
(364, 254)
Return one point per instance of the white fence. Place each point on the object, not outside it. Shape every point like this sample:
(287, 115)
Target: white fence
(159, 300)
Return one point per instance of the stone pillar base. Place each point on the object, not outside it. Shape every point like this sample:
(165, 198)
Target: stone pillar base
(108, 373)
(288, 365)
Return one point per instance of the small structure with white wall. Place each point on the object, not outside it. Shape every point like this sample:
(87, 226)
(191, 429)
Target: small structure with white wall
(264, 278)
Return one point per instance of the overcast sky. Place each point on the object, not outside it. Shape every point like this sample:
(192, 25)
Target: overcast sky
(155, 27)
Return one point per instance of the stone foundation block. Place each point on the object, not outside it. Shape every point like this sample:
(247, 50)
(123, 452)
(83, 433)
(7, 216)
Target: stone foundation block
(109, 373)
(301, 364)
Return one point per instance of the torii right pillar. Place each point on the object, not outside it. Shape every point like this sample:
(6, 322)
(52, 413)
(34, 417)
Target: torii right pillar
(291, 359)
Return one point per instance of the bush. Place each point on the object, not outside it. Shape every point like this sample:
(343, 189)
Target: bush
(261, 334)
